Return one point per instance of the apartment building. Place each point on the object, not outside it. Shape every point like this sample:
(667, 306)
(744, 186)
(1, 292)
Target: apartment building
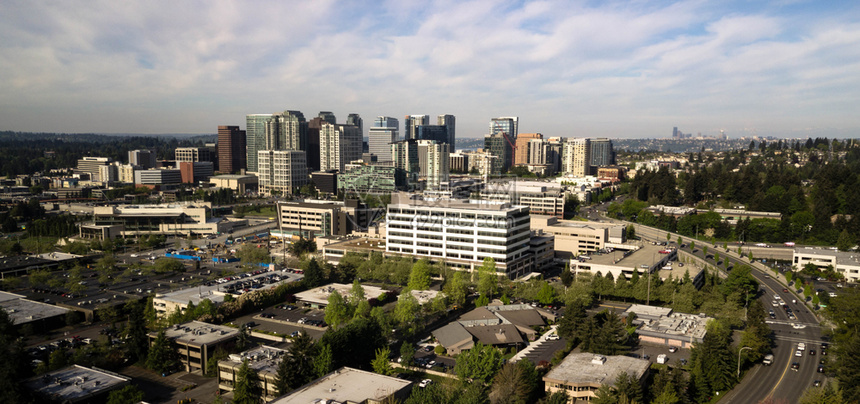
(281, 171)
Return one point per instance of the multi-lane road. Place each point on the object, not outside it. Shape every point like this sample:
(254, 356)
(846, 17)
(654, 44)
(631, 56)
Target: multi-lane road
(778, 381)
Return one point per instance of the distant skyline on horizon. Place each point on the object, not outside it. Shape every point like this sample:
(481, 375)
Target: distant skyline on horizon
(617, 69)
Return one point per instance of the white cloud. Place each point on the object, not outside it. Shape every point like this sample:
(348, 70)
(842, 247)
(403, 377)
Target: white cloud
(615, 69)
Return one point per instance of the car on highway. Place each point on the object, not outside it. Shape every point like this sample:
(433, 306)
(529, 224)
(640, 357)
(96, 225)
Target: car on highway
(795, 366)
(811, 352)
(798, 353)
(817, 383)
(820, 369)
(798, 327)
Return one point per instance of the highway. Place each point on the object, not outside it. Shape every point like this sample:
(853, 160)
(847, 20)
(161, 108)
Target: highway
(777, 381)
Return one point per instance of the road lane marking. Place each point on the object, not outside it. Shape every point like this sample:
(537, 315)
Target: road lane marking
(778, 382)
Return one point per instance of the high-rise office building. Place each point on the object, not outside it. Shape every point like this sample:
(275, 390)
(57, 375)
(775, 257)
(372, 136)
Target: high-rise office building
(355, 120)
(506, 124)
(411, 124)
(576, 157)
(521, 155)
(91, 165)
(450, 124)
(404, 154)
(231, 149)
(255, 138)
(313, 150)
(436, 133)
(381, 135)
(339, 145)
(554, 152)
(601, 153)
(433, 163)
(192, 154)
(537, 150)
(287, 131)
(282, 171)
(500, 145)
(143, 158)
(282, 131)
(328, 117)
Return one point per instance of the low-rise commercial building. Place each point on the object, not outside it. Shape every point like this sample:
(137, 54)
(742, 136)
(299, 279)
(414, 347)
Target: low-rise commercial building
(660, 325)
(371, 179)
(846, 264)
(263, 359)
(183, 218)
(579, 375)
(158, 176)
(318, 297)
(315, 218)
(498, 325)
(647, 259)
(348, 385)
(241, 184)
(40, 316)
(573, 238)
(196, 342)
(542, 198)
(75, 384)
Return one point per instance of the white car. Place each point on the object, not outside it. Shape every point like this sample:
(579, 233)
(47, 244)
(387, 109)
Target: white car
(424, 383)
(774, 303)
(798, 353)
(134, 255)
(552, 337)
(798, 326)
(673, 349)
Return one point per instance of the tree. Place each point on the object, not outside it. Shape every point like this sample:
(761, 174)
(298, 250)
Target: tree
(566, 275)
(547, 294)
(324, 361)
(164, 265)
(827, 394)
(488, 281)
(249, 254)
(479, 363)
(130, 394)
(406, 309)
(631, 232)
(455, 288)
(297, 367)
(419, 278)
(407, 354)
(356, 294)
(313, 274)
(243, 340)
(162, 354)
(381, 364)
(338, 311)
(559, 397)
(846, 241)
(247, 389)
(137, 341)
(509, 386)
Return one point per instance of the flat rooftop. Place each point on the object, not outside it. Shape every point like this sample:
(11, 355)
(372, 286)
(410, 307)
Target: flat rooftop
(75, 383)
(263, 359)
(233, 177)
(320, 295)
(199, 333)
(22, 261)
(591, 369)
(57, 256)
(663, 322)
(358, 243)
(403, 199)
(22, 311)
(346, 385)
(648, 255)
(842, 257)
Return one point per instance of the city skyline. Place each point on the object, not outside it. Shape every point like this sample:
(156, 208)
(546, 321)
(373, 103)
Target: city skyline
(617, 70)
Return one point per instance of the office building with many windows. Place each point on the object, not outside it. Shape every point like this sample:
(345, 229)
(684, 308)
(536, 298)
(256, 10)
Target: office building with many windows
(433, 163)
(576, 157)
(91, 166)
(506, 124)
(380, 137)
(371, 179)
(282, 171)
(143, 158)
(339, 145)
(521, 156)
(411, 124)
(500, 144)
(450, 124)
(192, 154)
(459, 232)
(231, 149)
(255, 138)
(602, 154)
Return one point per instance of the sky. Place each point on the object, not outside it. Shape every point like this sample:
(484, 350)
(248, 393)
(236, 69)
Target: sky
(619, 69)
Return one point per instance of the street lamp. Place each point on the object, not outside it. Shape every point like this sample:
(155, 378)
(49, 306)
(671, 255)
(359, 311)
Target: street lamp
(739, 360)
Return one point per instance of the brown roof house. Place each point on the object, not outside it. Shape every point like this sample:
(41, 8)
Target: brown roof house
(498, 325)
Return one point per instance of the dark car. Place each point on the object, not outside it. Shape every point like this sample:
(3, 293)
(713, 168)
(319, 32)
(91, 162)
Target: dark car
(817, 383)
(795, 366)
(821, 369)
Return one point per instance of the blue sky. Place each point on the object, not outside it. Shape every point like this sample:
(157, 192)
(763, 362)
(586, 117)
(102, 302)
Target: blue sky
(566, 68)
